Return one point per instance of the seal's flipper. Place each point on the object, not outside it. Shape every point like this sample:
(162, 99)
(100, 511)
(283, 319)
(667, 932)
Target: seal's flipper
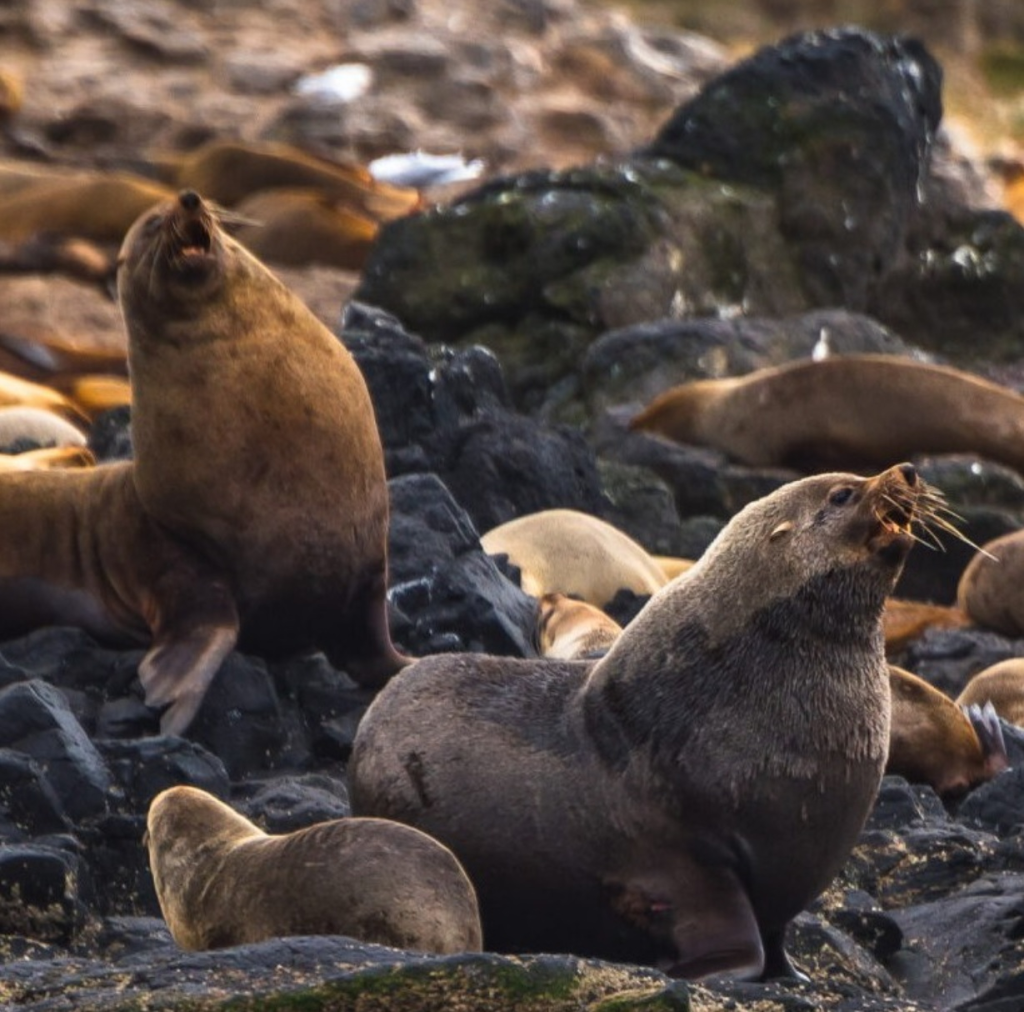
(190, 643)
(776, 961)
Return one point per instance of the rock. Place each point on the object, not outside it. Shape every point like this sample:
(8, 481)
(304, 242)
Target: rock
(39, 893)
(29, 806)
(110, 438)
(838, 123)
(284, 804)
(949, 658)
(35, 719)
(998, 805)
(449, 595)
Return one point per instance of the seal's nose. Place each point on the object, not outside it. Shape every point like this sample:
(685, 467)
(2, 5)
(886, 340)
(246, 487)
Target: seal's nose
(909, 472)
(189, 200)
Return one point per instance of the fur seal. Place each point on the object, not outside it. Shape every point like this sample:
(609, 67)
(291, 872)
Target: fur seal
(51, 458)
(228, 171)
(904, 621)
(256, 442)
(933, 741)
(222, 881)
(848, 410)
(39, 426)
(991, 588)
(662, 805)
(1002, 686)
(572, 630)
(298, 227)
(574, 553)
(17, 392)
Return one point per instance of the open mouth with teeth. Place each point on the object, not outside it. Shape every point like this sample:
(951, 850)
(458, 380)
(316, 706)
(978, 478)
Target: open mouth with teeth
(894, 513)
(193, 245)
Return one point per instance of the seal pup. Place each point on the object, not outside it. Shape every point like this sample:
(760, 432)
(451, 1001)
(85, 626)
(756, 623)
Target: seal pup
(1001, 686)
(991, 587)
(934, 741)
(670, 803)
(570, 552)
(256, 443)
(847, 410)
(573, 630)
(222, 881)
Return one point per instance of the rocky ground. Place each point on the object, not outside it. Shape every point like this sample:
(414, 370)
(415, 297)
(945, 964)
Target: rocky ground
(810, 197)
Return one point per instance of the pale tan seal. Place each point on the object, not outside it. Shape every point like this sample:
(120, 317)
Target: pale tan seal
(1002, 686)
(38, 425)
(570, 552)
(222, 881)
(666, 804)
(934, 741)
(256, 442)
(991, 588)
(853, 410)
(573, 630)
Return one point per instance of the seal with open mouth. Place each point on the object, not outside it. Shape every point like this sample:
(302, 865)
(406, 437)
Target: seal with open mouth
(256, 446)
(679, 801)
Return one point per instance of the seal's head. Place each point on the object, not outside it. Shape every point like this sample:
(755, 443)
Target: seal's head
(173, 258)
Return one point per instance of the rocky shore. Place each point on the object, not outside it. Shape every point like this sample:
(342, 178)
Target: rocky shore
(741, 215)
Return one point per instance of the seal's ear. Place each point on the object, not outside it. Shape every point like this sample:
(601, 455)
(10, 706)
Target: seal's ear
(784, 528)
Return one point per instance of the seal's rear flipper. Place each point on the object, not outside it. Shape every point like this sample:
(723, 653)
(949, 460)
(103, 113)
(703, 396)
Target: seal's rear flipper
(191, 638)
(985, 722)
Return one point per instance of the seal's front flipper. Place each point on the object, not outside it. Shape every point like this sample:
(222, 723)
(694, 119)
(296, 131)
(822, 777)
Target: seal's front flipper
(190, 641)
(776, 962)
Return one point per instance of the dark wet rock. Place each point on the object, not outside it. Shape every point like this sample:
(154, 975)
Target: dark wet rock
(448, 413)
(863, 919)
(118, 865)
(949, 658)
(449, 595)
(958, 288)
(284, 804)
(825, 951)
(635, 364)
(29, 806)
(35, 719)
(111, 436)
(39, 892)
(900, 805)
(998, 805)
(324, 973)
(961, 945)
(838, 123)
(146, 766)
(643, 506)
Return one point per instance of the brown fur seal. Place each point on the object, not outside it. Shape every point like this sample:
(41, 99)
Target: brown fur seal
(298, 227)
(663, 804)
(572, 630)
(904, 621)
(222, 881)
(851, 410)
(933, 741)
(93, 205)
(228, 171)
(96, 394)
(49, 459)
(1002, 686)
(574, 553)
(991, 589)
(39, 426)
(256, 442)
(17, 392)
(76, 548)
(45, 357)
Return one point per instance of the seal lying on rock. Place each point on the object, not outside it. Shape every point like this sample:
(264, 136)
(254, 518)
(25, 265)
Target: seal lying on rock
(849, 410)
(223, 881)
(681, 800)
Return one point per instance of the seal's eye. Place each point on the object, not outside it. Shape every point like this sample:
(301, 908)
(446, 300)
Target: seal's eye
(840, 496)
(152, 224)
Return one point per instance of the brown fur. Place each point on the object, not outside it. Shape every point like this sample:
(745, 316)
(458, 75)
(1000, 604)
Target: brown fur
(45, 357)
(905, 621)
(571, 630)
(672, 566)
(222, 881)
(96, 394)
(574, 553)
(48, 459)
(850, 410)
(932, 741)
(255, 441)
(228, 171)
(298, 227)
(1002, 685)
(662, 805)
(991, 589)
(17, 392)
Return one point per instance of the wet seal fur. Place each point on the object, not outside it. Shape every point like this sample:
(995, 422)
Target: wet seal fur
(222, 881)
(950, 746)
(569, 552)
(668, 804)
(847, 410)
